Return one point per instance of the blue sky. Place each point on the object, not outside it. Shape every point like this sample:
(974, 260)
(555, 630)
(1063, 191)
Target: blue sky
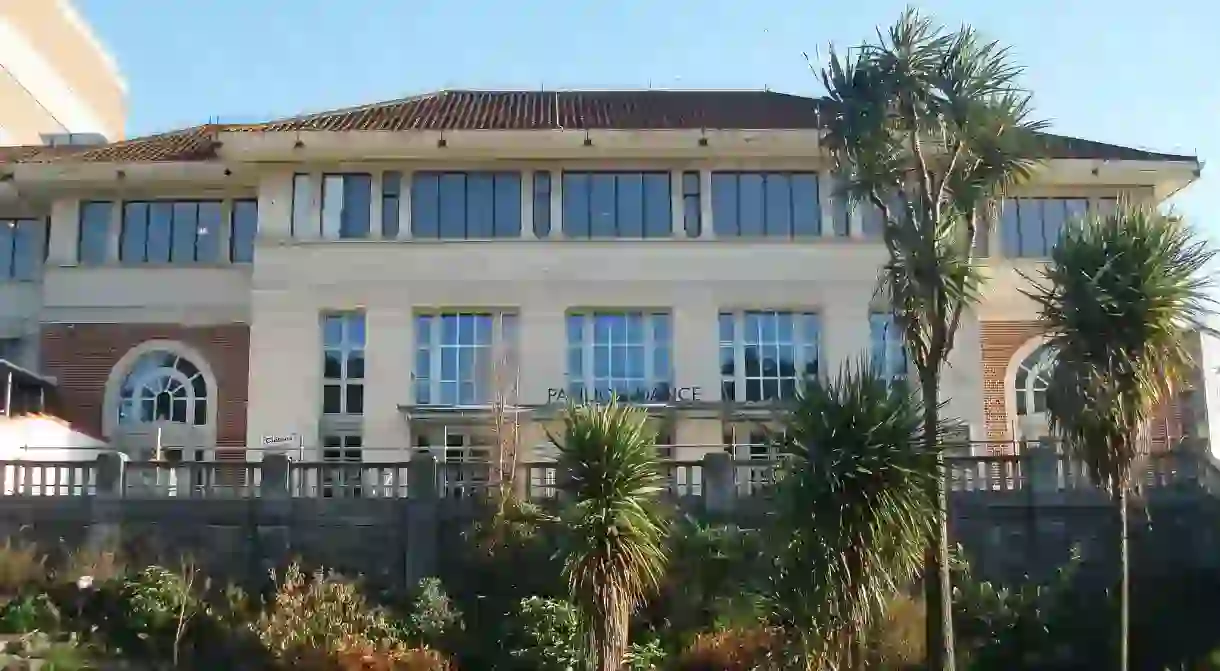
(1142, 74)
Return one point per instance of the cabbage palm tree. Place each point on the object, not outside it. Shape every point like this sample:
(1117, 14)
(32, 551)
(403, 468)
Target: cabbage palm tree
(613, 529)
(853, 509)
(928, 129)
(1118, 298)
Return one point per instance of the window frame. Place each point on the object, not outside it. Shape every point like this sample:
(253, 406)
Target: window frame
(573, 201)
(346, 348)
(543, 186)
(82, 232)
(342, 228)
(430, 350)
(234, 242)
(692, 203)
(301, 206)
(12, 268)
(881, 347)
(172, 206)
(735, 385)
(658, 386)
(391, 204)
(1012, 213)
(769, 229)
(511, 230)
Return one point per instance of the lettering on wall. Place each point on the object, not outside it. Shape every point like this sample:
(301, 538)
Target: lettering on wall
(658, 395)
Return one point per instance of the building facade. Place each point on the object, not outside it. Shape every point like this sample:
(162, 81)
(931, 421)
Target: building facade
(56, 78)
(360, 283)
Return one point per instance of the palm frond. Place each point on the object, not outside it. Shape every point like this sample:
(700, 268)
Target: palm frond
(614, 530)
(853, 505)
(1118, 298)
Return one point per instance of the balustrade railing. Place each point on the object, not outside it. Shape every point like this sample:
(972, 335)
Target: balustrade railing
(717, 474)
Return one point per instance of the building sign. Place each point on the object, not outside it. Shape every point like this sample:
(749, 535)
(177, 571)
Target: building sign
(281, 442)
(658, 395)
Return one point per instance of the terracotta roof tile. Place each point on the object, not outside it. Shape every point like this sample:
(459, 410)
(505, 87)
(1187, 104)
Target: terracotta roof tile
(528, 110)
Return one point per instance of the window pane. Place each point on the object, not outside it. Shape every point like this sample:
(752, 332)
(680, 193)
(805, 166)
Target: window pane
(355, 399)
(184, 228)
(331, 395)
(751, 206)
(332, 331)
(391, 187)
(452, 206)
(425, 199)
(725, 214)
(302, 195)
(332, 365)
(332, 206)
(160, 230)
(244, 228)
(207, 242)
(575, 205)
(8, 235)
(777, 205)
(480, 213)
(357, 206)
(1029, 213)
(629, 204)
(507, 205)
(692, 208)
(602, 205)
(542, 204)
(94, 231)
(658, 206)
(134, 237)
(1054, 213)
(806, 208)
(1010, 231)
(28, 248)
(355, 329)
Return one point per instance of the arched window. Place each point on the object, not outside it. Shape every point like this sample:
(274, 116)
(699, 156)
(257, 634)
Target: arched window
(1033, 379)
(163, 386)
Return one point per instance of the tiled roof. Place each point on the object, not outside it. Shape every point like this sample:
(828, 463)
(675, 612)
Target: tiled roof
(528, 110)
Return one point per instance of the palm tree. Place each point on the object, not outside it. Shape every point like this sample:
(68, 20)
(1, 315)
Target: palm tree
(930, 129)
(1118, 298)
(853, 507)
(613, 529)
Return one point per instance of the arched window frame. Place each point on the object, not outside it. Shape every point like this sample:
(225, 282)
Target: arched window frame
(1030, 354)
(133, 363)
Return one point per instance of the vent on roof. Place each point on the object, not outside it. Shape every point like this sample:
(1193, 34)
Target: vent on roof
(73, 139)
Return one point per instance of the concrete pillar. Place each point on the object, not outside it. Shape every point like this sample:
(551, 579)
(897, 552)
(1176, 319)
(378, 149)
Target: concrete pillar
(719, 490)
(105, 526)
(422, 523)
(845, 331)
(65, 232)
(389, 351)
(697, 346)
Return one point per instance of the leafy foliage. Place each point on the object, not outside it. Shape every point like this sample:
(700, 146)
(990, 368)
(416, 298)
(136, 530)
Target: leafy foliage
(433, 617)
(852, 508)
(547, 635)
(613, 528)
(1118, 298)
(29, 612)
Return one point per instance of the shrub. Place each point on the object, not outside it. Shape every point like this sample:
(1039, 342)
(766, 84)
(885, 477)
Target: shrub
(22, 567)
(897, 639)
(96, 565)
(158, 606)
(730, 650)
(319, 616)
(433, 616)
(644, 656)
(545, 636)
(27, 613)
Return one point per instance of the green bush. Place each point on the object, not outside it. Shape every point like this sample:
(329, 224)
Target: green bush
(158, 608)
(29, 612)
(433, 618)
(545, 636)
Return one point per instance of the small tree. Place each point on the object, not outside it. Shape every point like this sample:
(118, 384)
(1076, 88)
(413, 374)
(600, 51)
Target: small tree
(1118, 299)
(853, 510)
(929, 128)
(613, 531)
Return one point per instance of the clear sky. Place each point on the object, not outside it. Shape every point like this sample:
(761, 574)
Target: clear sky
(1144, 74)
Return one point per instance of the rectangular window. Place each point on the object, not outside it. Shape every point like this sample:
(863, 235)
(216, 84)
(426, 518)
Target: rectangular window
(466, 205)
(887, 348)
(766, 204)
(391, 195)
(21, 250)
(617, 205)
(343, 340)
(346, 205)
(692, 209)
(302, 205)
(624, 354)
(461, 358)
(1030, 227)
(93, 240)
(542, 204)
(170, 231)
(766, 355)
(243, 227)
(1107, 206)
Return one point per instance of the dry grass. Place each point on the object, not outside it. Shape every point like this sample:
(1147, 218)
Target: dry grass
(731, 650)
(897, 640)
(22, 565)
(101, 565)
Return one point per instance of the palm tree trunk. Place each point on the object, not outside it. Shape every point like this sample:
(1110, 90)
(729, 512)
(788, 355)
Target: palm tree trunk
(1124, 583)
(938, 592)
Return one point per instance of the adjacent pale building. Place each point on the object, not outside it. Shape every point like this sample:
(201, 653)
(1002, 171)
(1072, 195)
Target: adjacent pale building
(57, 82)
(356, 284)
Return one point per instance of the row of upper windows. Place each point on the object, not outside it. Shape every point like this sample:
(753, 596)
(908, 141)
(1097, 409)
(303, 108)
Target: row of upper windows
(168, 231)
(462, 358)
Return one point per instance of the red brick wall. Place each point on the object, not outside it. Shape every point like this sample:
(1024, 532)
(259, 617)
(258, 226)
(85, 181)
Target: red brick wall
(81, 357)
(999, 341)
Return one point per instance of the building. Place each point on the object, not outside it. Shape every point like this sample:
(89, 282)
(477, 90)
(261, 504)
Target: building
(356, 283)
(57, 81)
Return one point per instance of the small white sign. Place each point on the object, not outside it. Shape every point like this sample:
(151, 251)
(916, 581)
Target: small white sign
(288, 440)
